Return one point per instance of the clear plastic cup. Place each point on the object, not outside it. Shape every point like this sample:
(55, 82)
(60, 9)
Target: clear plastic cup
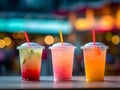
(30, 61)
(62, 60)
(94, 60)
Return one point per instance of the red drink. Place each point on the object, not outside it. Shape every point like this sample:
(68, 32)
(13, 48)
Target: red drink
(30, 74)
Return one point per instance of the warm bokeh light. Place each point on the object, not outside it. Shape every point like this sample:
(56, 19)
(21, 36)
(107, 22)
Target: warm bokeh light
(21, 35)
(89, 13)
(8, 41)
(108, 36)
(106, 11)
(117, 22)
(15, 35)
(18, 35)
(106, 22)
(115, 39)
(90, 16)
(49, 39)
(82, 24)
(2, 43)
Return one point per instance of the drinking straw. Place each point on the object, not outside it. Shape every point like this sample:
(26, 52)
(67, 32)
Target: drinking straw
(93, 36)
(94, 41)
(27, 38)
(61, 36)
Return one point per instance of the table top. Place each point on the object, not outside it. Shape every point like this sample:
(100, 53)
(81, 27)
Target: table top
(46, 82)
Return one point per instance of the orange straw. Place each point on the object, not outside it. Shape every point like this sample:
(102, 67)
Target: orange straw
(27, 39)
(93, 36)
(61, 36)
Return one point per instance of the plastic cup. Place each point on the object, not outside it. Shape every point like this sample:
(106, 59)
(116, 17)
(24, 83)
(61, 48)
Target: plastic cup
(30, 61)
(62, 60)
(94, 61)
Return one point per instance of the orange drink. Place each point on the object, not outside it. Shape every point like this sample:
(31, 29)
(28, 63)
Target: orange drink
(94, 61)
(62, 60)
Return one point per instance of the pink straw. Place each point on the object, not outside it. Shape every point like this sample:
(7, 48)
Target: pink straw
(94, 41)
(27, 39)
(93, 36)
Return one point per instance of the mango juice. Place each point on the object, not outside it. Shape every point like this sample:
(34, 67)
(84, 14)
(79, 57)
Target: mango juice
(94, 61)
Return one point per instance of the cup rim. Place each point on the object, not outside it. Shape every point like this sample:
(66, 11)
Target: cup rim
(31, 45)
(83, 47)
(19, 47)
(62, 46)
(92, 45)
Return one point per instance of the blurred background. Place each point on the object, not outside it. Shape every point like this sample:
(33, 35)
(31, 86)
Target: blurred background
(43, 19)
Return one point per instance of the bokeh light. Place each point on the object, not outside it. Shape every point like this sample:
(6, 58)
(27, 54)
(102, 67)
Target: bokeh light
(2, 43)
(115, 39)
(15, 35)
(82, 24)
(106, 22)
(90, 16)
(89, 13)
(49, 39)
(18, 35)
(21, 35)
(118, 19)
(7, 41)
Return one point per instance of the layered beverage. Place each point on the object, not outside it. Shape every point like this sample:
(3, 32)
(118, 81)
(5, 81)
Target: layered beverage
(30, 61)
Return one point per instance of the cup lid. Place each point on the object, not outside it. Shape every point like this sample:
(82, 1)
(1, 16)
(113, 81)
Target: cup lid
(59, 44)
(32, 45)
(91, 44)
